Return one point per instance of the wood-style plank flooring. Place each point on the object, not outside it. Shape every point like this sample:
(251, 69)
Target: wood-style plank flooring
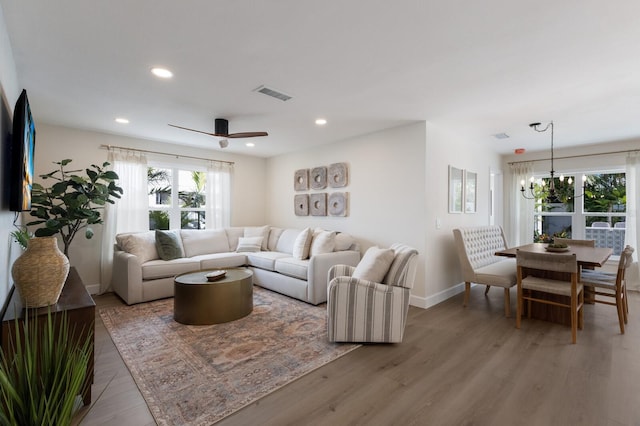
(456, 366)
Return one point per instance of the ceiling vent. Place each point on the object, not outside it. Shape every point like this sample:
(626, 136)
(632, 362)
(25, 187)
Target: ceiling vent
(501, 136)
(273, 93)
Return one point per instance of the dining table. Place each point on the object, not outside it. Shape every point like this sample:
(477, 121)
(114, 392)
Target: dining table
(587, 258)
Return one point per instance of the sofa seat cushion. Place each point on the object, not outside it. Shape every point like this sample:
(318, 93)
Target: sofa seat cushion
(155, 269)
(265, 259)
(221, 260)
(292, 267)
(502, 273)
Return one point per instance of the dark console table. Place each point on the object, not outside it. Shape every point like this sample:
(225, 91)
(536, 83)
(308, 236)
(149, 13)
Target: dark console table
(80, 309)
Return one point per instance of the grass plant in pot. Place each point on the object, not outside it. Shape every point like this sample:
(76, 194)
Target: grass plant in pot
(71, 204)
(43, 370)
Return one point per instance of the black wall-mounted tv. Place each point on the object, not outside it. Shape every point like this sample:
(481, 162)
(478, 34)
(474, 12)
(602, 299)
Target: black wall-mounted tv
(23, 141)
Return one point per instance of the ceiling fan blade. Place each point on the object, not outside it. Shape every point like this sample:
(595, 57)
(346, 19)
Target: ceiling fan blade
(247, 134)
(198, 131)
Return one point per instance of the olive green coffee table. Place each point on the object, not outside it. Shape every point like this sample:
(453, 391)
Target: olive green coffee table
(200, 302)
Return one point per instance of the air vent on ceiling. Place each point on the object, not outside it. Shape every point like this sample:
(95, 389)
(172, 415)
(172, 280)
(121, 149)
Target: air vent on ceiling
(273, 93)
(501, 136)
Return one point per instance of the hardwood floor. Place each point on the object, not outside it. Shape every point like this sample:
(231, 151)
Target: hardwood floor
(456, 366)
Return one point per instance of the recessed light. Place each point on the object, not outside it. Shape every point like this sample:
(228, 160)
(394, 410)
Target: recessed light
(250, 144)
(161, 72)
(122, 120)
(321, 121)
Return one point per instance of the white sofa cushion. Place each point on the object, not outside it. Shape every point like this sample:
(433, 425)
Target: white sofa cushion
(292, 267)
(204, 241)
(374, 264)
(221, 260)
(259, 231)
(274, 236)
(140, 244)
(249, 244)
(323, 242)
(302, 244)
(286, 240)
(265, 259)
(155, 269)
(233, 234)
(343, 241)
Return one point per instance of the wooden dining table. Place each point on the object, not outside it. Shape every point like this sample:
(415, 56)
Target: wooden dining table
(587, 257)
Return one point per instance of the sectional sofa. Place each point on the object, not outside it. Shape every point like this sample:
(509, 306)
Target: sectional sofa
(293, 262)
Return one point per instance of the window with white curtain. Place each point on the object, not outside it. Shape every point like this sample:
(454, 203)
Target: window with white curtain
(181, 197)
(597, 212)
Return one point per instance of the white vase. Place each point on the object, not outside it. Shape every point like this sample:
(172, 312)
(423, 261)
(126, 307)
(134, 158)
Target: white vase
(40, 272)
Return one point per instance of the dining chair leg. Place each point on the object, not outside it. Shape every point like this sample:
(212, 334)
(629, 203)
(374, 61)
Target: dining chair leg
(626, 303)
(507, 303)
(581, 310)
(467, 293)
(574, 314)
(486, 290)
(518, 306)
(620, 307)
(529, 307)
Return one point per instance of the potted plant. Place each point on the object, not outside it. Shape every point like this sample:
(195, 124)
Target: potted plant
(43, 369)
(73, 202)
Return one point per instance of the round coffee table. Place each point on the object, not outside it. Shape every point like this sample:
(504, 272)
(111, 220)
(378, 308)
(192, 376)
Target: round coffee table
(197, 301)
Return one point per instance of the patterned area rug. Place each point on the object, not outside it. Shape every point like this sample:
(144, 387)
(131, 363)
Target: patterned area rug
(197, 375)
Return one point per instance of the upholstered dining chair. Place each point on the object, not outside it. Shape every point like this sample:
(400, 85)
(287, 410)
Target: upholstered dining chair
(533, 270)
(611, 286)
(360, 310)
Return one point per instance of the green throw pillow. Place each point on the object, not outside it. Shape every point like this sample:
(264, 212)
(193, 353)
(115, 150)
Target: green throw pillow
(168, 245)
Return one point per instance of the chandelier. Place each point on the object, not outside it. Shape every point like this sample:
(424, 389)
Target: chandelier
(548, 193)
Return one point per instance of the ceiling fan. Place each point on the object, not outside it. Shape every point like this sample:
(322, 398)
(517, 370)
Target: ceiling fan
(222, 130)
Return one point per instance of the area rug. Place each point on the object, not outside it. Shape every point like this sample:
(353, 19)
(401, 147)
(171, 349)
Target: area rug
(197, 375)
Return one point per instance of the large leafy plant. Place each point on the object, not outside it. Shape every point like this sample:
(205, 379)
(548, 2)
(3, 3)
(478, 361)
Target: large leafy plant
(73, 202)
(42, 371)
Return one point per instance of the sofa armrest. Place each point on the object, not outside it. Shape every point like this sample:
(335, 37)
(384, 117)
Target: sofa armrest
(340, 271)
(127, 277)
(318, 272)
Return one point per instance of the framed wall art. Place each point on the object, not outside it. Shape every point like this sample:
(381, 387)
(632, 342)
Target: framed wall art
(470, 191)
(456, 189)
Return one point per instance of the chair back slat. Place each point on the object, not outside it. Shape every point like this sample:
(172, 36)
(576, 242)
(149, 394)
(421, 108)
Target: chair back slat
(547, 261)
(572, 242)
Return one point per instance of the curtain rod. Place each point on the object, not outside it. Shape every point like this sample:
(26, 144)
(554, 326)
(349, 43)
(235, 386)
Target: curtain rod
(576, 156)
(164, 153)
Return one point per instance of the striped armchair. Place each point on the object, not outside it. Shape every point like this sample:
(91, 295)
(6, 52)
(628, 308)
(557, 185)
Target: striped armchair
(366, 311)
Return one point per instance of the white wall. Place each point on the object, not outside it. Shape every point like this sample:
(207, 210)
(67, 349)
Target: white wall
(398, 189)
(445, 148)
(55, 143)
(9, 92)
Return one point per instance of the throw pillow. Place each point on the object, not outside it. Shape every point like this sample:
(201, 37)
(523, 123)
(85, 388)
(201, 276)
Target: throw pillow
(168, 245)
(140, 244)
(302, 244)
(249, 244)
(323, 242)
(258, 231)
(343, 241)
(374, 264)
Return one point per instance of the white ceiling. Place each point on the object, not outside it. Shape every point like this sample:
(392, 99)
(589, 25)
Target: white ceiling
(476, 67)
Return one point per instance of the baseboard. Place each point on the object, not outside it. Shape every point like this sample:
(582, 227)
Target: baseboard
(427, 302)
(93, 288)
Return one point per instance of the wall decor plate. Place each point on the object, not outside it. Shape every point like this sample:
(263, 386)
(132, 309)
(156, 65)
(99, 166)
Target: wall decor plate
(318, 178)
(318, 204)
(301, 204)
(338, 175)
(301, 180)
(337, 204)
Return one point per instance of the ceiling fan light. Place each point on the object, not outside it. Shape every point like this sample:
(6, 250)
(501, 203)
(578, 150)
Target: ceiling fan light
(321, 121)
(250, 144)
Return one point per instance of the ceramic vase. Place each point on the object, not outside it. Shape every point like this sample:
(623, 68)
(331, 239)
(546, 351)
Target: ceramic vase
(40, 272)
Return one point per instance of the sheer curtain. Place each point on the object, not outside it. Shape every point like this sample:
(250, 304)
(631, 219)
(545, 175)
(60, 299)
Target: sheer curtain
(218, 195)
(131, 212)
(632, 174)
(521, 221)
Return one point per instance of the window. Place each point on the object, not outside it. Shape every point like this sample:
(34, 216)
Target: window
(176, 198)
(598, 214)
